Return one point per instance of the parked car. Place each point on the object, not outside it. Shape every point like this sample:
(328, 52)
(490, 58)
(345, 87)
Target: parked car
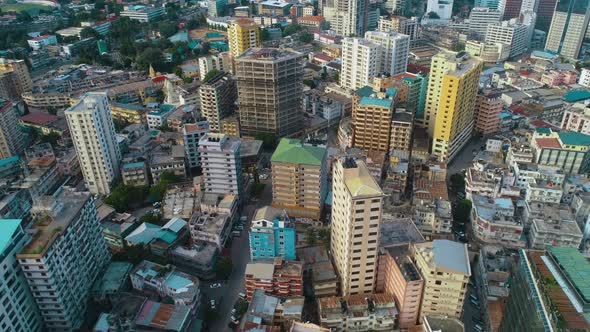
(473, 297)
(212, 304)
(243, 219)
(236, 233)
(242, 295)
(215, 285)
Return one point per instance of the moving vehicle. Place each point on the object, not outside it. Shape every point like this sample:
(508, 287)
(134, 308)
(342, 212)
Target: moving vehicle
(212, 304)
(242, 295)
(215, 285)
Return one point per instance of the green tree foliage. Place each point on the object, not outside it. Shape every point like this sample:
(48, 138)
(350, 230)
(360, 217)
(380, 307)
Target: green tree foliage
(457, 181)
(88, 32)
(223, 268)
(309, 83)
(157, 191)
(291, 29)
(151, 218)
(433, 15)
(305, 37)
(462, 212)
(311, 236)
(325, 235)
(51, 138)
(123, 197)
(264, 35)
(150, 56)
(167, 28)
(212, 73)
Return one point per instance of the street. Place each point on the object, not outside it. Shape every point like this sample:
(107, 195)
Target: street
(227, 295)
(465, 156)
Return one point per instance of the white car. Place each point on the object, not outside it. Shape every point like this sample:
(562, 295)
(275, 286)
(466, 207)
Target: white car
(212, 303)
(215, 285)
(264, 176)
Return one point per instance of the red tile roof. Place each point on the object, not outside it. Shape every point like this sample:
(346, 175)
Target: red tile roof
(322, 56)
(41, 37)
(39, 118)
(548, 143)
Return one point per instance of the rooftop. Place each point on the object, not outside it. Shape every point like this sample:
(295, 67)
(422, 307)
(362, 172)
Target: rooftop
(576, 95)
(358, 180)
(575, 266)
(162, 316)
(446, 255)
(112, 278)
(52, 216)
(268, 54)
(396, 231)
(574, 138)
(293, 151)
(373, 101)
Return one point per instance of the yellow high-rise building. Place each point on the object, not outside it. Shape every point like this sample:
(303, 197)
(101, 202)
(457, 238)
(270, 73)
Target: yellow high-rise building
(450, 101)
(242, 34)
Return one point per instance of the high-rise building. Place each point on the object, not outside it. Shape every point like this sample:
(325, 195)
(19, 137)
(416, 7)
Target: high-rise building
(371, 121)
(264, 74)
(568, 27)
(191, 134)
(356, 217)
(218, 96)
(12, 140)
(509, 8)
(395, 50)
(547, 292)
(299, 178)
(480, 18)
(21, 71)
(221, 164)
(361, 61)
(442, 8)
(216, 8)
(220, 61)
(242, 34)
(401, 131)
(487, 112)
(452, 89)
(529, 6)
(93, 133)
(9, 86)
(545, 14)
(444, 265)
(350, 17)
(399, 24)
(64, 257)
(511, 33)
(18, 310)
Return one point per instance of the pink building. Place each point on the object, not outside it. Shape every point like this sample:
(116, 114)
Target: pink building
(559, 77)
(488, 106)
(397, 275)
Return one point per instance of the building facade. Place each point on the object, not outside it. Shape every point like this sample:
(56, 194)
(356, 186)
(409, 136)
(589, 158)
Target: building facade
(12, 139)
(220, 61)
(69, 238)
(395, 50)
(218, 96)
(242, 35)
(93, 133)
(221, 164)
(272, 235)
(263, 74)
(568, 27)
(487, 113)
(361, 61)
(14, 287)
(371, 121)
(356, 216)
(510, 33)
(299, 178)
(450, 119)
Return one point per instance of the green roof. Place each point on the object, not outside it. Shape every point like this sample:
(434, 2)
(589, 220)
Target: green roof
(294, 152)
(575, 266)
(576, 95)
(365, 91)
(573, 138)
(376, 102)
(545, 131)
(7, 229)
(134, 165)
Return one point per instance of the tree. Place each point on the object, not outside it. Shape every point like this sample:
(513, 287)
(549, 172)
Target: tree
(210, 74)
(291, 29)
(264, 35)
(150, 56)
(167, 28)
(124, 197)
(151, 218)
(157, 191)
(305, 37)
(457, 181)
(89, 32)
(462, 211)
(433, 15)
(325, 235)
(52, 110)
(309, 83)
(311, 236)
(223, 268)
(51, 138)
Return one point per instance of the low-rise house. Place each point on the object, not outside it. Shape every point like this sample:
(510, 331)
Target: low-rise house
(277, 277)
(135, 174)
(362, 312)
(160, 240)
(167, 158)
(323, 274)
(551, 224)
(494, 222)
(272, 234)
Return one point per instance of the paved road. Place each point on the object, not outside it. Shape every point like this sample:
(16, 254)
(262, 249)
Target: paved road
(227, 295)
(464, 157)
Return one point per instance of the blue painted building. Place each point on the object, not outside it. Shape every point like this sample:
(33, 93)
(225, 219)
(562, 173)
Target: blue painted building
(272, 234)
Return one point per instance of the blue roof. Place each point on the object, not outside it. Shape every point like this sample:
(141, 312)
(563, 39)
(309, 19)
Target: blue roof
(574, 138)
(546, 55)
(180, 36)
(365, 91)
(376, 102)
(145, 233)
(134, 165)
(175, 224)
(576, 95)
(176, 281)
(8, 161)
(391, 92)
(102, 325)
(7, 229)
(505, 115)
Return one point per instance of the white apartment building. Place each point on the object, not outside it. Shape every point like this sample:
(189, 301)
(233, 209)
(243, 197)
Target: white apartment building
(480, 18)
(13, 286)
(221, 164)
(443, 8)
(361, 61)
(158, 117)
(348, 17)
(356, 217)
(142, 13)
(395, 50)
(584, 78)
(220, 61)
(93, 133)
(191, 134)
(511, 33)
(64, 258)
